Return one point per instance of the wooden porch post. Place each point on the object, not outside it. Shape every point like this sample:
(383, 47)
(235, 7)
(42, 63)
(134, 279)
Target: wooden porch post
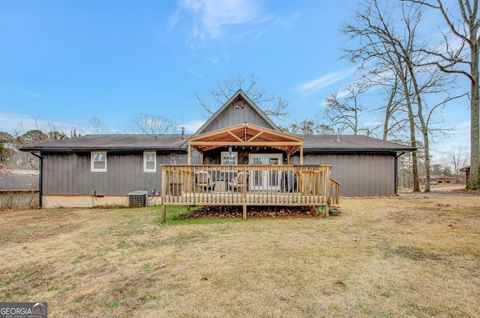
(189, 154)
(288, 158)
(201, 158)
(301, 154)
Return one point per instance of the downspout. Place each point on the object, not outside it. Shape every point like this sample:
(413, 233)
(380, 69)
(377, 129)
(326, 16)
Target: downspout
(40, 181)
(396, 172)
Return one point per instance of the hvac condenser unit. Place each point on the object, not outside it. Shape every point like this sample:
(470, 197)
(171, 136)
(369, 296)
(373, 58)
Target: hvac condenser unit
(137, 199)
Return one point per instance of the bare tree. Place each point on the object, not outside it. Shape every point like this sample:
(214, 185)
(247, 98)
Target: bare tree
(153, 124)
(462, 60)
(97, 126)
(458, 159)
(308, 127)
(391, 47)
(272, 105)
(343, 110)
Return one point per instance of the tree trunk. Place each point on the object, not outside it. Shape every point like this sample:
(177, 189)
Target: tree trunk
(389, 110)
(474, 182)
(423, 125)
(413, 140)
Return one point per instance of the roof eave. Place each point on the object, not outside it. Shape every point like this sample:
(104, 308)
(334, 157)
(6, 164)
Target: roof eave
(80, 149)
(316, 149)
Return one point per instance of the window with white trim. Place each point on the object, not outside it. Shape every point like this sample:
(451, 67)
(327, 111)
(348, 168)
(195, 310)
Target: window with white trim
(98, 161)
(149, 161)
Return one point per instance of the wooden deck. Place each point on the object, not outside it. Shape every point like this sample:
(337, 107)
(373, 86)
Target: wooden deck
(244, 185)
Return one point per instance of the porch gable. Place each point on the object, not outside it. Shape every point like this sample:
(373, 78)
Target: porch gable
(238, 109)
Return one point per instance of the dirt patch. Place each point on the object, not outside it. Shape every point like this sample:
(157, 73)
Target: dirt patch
(255, 211)
(412, 253)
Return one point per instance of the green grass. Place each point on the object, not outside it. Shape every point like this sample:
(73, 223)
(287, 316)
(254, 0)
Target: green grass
(113, 303)
(174, 212)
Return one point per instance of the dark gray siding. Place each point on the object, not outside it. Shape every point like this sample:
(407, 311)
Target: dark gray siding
(69, 174)
(232, 116)
(360, 175)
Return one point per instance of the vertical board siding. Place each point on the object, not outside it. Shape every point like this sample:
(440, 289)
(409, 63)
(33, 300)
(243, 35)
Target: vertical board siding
(69, 174)
(359, 175)
(232, 116)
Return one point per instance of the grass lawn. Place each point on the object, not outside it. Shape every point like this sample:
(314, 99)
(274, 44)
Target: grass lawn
(380, 257)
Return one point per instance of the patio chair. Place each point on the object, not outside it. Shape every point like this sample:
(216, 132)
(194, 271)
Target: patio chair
(240, 182)
(204, 180)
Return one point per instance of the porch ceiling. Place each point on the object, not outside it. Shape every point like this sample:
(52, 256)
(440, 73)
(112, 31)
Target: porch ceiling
(246, 135)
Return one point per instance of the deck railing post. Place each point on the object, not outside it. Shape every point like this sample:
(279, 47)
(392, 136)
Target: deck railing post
(244, 192)
(164, 191)
(326, 176)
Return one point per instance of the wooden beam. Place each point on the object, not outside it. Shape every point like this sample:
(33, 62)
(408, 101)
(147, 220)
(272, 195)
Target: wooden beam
(249, 127)
(189, 154)
(245, 143)
(254, 137)
(235, 136)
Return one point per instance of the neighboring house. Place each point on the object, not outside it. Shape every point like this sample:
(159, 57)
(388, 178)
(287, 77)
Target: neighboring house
(15, 179)
(436, 179)
(239, 156)
(18, 189)
(467, 173)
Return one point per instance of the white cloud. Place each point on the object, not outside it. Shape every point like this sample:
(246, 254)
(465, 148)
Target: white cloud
(212, 17)
(20, 123)
(193, 126)
(325, 81)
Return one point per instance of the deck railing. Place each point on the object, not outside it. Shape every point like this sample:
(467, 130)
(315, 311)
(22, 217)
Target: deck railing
(249, 185)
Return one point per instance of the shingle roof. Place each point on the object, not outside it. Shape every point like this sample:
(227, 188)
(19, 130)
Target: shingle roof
(350, 143)
(114, 142)
(312, 143)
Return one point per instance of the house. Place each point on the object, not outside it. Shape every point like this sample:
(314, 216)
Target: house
(238, 157)
(466, 169)
(436, 179)
(18, 188)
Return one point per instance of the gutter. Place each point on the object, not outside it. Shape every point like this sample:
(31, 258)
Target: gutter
(87, 149)
(40, 181)
(396, 172)
(358, 149)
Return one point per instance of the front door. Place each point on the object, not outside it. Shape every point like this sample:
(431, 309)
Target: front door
(265, 180)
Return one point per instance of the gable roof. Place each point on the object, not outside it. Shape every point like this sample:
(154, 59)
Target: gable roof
(228, 103)
(246, 135)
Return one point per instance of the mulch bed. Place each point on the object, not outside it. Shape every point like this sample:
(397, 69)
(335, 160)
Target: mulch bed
(253, 211)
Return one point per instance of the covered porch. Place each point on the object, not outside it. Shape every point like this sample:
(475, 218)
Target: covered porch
(247, 165)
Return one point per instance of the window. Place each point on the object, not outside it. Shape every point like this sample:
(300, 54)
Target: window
(229, 158)
(99, 161)
(149, 161)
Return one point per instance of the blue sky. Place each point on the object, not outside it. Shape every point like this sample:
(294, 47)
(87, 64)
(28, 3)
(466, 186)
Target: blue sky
(63, 62)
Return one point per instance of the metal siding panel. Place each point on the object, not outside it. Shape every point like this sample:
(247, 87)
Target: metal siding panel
(231, 117)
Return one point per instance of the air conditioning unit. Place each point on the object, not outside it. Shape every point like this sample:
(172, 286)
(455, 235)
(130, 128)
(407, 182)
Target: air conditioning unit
(137, 199)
